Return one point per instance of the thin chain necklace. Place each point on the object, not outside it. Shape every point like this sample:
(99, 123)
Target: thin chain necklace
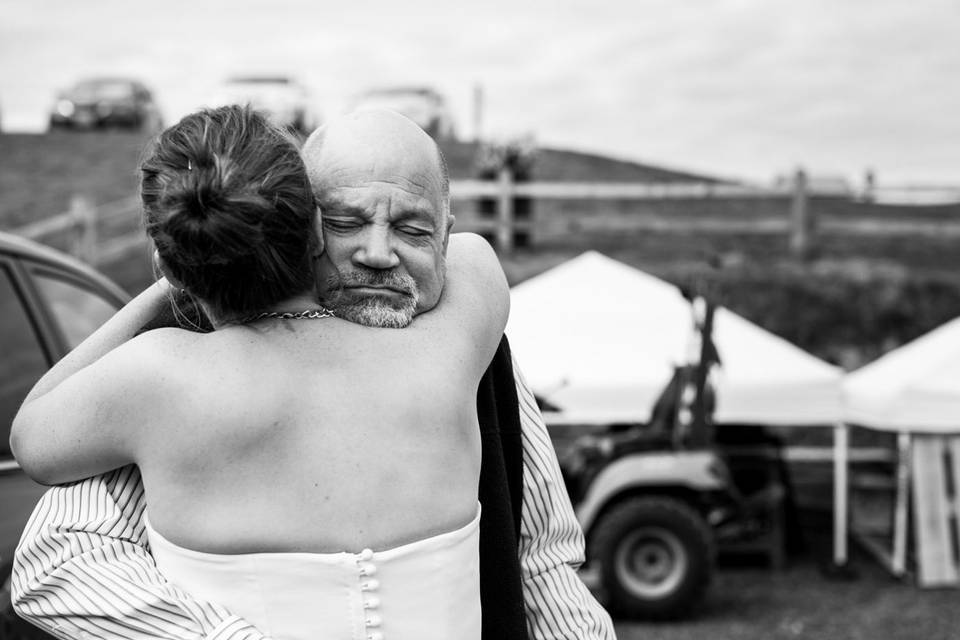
(306, 314)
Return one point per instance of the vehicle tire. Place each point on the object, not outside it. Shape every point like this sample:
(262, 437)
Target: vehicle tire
(656, 557)
(12, 626)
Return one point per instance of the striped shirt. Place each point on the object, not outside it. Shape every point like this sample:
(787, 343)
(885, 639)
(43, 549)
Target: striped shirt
(83, 569)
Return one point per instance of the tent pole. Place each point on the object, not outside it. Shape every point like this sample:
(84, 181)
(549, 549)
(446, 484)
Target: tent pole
(900, 516)
(841, 446)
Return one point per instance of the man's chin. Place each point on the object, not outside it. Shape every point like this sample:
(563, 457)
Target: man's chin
(372, 313)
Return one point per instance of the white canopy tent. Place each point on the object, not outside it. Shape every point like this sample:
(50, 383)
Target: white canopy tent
(915, 388)
(915, 391)
(599, 340)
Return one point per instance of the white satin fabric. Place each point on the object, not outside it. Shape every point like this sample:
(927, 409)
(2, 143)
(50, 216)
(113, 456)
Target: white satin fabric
(424, 590)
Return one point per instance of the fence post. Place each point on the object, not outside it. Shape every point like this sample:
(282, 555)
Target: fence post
(85, 220)
(869, 186)
(505, 211)
(801, 223)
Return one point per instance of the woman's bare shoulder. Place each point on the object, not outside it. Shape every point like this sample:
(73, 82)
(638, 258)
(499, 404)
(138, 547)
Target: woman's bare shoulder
(152, 356)
(160, 341)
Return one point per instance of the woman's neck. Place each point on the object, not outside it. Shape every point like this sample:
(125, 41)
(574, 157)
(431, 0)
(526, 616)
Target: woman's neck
(302, 302)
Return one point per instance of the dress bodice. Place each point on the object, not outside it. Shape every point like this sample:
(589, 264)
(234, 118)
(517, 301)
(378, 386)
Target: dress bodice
(424, 590)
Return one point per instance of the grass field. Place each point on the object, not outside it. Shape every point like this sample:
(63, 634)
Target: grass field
(800, 603)
(805, 602)
(40, 173)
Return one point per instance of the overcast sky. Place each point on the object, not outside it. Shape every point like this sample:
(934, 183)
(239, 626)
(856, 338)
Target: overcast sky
(739, 88)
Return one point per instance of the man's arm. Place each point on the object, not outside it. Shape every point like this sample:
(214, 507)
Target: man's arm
(83, 570)
(558, 604)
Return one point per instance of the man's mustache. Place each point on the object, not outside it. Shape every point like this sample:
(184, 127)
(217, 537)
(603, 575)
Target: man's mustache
(362, 278)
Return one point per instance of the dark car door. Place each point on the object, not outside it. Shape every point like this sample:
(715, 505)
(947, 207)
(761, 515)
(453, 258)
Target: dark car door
(26, 356)
(45, 310)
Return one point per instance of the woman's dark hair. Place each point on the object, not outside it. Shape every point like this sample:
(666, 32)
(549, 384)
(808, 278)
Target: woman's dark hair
(229, 207)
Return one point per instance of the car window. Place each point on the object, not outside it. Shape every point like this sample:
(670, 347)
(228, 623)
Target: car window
(23, 360)
(77, 311)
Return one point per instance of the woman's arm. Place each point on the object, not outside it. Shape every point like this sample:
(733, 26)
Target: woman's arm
(67, 427)
(90, 422)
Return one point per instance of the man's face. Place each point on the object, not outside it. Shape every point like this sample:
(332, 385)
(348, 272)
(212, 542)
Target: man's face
(385, 228)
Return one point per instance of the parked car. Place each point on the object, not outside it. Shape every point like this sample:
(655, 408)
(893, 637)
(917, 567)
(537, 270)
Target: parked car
(106, 102)
(286, 101)
(425, 106)
(49, 302)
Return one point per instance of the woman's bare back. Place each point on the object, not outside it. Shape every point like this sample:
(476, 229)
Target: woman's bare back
(314, 435)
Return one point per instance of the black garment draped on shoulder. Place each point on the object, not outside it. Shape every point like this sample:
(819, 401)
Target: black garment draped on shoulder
(501, 481)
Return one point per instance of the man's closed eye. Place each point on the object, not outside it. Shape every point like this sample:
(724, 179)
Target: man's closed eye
(341, 225)
(415, 231)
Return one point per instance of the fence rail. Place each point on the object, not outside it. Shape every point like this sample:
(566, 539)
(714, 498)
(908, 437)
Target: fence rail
(85, 223)
(469, 189)
(98, 234)
(785, 209)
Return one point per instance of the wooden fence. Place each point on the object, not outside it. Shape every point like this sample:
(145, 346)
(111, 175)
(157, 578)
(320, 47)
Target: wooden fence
(96, 234)
(788, 209)
(105, 233)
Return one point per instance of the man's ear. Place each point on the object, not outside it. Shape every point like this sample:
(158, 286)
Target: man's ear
(319, 231)
(165, 270)
(446, 238)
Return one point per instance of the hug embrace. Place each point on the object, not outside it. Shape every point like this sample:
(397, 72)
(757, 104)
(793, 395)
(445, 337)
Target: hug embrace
(311, 426)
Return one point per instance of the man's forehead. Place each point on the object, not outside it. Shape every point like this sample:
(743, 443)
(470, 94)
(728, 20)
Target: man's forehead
(368, 197)
(365, 184)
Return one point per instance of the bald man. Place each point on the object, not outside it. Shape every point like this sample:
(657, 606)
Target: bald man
(384, 197)
(383, 192)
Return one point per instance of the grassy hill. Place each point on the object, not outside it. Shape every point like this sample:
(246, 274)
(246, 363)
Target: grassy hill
(563, 165)
(39, 173)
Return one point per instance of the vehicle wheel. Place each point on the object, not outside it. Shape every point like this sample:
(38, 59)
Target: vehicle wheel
(656, 557)
(12, 626)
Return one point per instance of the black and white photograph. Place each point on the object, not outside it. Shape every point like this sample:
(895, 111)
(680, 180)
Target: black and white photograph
(479, 321)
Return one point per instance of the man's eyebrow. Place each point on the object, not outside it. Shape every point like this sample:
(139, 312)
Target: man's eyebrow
(338, 208)
(416, 214)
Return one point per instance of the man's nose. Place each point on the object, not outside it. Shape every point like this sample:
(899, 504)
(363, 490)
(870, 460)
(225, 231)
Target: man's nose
(376, 251)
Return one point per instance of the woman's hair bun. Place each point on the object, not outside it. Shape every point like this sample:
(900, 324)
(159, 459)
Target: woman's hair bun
(228, 204)
(211, 220)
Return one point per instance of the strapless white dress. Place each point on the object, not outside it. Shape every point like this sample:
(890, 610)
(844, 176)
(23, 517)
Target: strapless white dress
(424, 590)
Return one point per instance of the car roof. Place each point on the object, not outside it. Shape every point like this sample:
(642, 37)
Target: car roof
(11, 244)
(87, 82)
(261, 80)
(422, 91)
